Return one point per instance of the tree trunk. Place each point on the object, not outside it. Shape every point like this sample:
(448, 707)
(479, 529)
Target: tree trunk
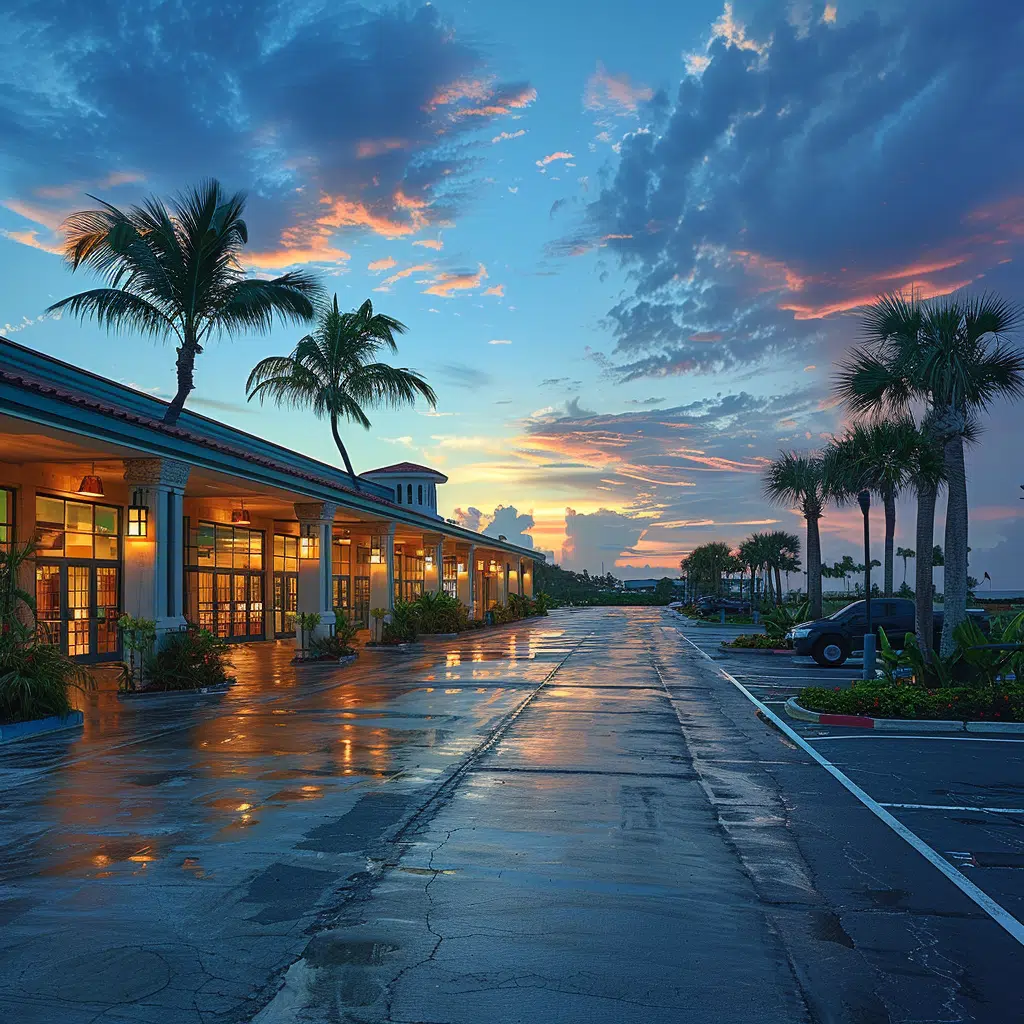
(923, 565)
(344, 452)
(185, 365)
(955, 549)
(889, 501)
(813, 567)
(778, 585)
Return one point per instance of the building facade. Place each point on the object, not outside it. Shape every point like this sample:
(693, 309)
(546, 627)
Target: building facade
(199, 522)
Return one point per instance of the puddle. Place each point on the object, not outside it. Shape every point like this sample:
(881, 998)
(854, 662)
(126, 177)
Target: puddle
(103, 859)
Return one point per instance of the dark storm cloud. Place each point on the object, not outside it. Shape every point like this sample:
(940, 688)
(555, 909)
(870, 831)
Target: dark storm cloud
(809, 167)
(336, 116)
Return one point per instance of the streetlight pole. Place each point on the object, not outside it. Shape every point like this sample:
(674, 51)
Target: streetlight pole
(864, 498)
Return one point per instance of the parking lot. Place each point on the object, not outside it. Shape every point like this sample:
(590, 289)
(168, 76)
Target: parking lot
(963, 795)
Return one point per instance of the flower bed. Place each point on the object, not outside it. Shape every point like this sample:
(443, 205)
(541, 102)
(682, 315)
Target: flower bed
(902, 700)
(758, 642)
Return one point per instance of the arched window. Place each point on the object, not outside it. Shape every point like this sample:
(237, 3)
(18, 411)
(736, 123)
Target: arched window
(398, 494)
(419, 494)
(409, 493)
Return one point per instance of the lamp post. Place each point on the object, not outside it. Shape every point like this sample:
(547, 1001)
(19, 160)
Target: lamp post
(864, 499)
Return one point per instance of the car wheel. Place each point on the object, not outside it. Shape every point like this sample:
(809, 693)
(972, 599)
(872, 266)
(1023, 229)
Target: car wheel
(830, 652)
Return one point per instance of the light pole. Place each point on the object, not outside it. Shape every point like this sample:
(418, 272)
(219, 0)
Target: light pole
(864, 498)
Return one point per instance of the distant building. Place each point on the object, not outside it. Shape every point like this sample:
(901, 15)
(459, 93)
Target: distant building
(648, 586)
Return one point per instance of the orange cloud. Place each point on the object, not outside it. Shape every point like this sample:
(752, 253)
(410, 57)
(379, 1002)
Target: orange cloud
(375, 147)
(604, 90)
(32, 239)
(922, 290)
(419, 268)
(498, 289)
(446, 285)
(504, 104)
(551, 157)
(301, 244)
(462, 89)
(343, 213)
(505, 136)
(775, 270)
(431, 243)
(385, 264)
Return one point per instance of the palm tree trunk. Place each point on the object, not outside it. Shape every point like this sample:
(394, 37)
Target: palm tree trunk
(344, 452)
(813, 567)
(778, 585)
(923, 565)
(889, 501)
(955, 549)
(185, 366)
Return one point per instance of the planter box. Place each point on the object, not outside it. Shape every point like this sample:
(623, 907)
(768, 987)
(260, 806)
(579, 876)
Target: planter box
(208, 690)
(442, 636)
(396, 648)
(40, 726)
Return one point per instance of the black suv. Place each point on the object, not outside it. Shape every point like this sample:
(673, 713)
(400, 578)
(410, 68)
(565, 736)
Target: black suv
(831, 640)
(712, 605)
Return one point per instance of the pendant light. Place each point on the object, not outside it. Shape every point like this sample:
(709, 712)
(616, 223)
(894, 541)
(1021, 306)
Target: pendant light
(240, 516)
(91, 485)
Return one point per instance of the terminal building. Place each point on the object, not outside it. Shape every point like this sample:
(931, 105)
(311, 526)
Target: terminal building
(200, 522)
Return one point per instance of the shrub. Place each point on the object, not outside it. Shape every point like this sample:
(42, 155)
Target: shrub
(137, 639)
(402, 628)
(759, 641)
(779, 621)
(908, 700)
(189, 660)
(440, 613)
(333, 646)
(35, 676)
(344, 629)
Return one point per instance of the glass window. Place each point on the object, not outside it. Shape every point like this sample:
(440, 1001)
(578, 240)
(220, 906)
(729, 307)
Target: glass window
(106, 520)
(6, 517)
(50, 526)
(419, 494)
(408, 491)
(77, 529)
(398, 494)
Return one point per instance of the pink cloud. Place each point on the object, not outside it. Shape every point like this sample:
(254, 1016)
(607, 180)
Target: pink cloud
(498, 289)
(604, 91)
(385, 264)
(430, 243)
(551, 157)
(505, 136)
(376, 147)
(446, 285)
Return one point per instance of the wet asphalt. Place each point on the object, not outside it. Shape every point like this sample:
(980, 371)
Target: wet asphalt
(572, 819)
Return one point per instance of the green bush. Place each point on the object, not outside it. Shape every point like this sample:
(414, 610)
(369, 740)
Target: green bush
(758, 641)
(403, 628)
(344, 629)
(779, 621)
(189, 660)
(36, 678)
(333, 646)
(907, 700)
(438, 612)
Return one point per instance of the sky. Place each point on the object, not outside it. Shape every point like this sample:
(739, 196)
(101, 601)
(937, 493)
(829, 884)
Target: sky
(628, 242)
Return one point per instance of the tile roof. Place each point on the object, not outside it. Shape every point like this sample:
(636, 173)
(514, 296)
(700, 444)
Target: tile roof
(405, 467)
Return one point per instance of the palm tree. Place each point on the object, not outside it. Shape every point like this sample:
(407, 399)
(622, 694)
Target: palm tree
(795, 479)
(950, 354)
(175, 270)
(747, 555)
(877, 457)
(334, 371)
(905, 553)
(781, 552)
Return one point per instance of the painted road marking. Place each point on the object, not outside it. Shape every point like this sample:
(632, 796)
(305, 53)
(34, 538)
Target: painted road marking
(872, 735)
(953, 807)
(979, 897)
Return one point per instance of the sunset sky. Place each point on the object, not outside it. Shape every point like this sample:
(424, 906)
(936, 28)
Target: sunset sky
(626, 239)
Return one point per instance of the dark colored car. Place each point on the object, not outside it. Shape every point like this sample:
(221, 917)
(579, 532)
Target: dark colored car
(831, 640)
(714, 605)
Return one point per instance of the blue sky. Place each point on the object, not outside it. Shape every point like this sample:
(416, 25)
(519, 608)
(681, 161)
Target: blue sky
(626, 244)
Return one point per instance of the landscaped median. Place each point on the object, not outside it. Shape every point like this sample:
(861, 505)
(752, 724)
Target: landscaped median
(905, 707)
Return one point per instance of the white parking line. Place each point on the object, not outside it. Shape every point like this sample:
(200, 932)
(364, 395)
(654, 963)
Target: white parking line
(872, 735)
(979, 897)
(953, 807)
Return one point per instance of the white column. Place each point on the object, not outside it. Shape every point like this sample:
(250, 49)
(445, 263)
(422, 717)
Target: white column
(382, 573)
(526, 584)
(467, 591)
(153, 565)
(316, 527)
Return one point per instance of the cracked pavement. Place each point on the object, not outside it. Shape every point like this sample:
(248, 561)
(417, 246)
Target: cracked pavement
(586, 823)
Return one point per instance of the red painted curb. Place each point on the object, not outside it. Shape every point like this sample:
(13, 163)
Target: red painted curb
(854, 721)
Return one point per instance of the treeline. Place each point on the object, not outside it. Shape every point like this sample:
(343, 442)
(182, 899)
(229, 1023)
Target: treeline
(565, 587)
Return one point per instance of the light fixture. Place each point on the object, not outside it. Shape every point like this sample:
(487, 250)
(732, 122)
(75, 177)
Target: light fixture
(428, 561)
(138, 516)
(309, 541)
(479, 565)
(240, 516)
(494, 566)
(91, 485)
(460, 567)
(376, 555)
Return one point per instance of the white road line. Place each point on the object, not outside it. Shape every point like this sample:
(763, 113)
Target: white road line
(870, 734)
(953, 807)
(999, 914)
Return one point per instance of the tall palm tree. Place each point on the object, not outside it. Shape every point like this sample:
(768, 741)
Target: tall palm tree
(796, 479)
(781, 553)
(748, 556)
(877, 457)
(335, 372)
(905, 554)
(952, 355)
(175, 270)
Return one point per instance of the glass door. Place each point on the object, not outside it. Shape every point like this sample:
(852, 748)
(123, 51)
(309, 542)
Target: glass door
(77, 607)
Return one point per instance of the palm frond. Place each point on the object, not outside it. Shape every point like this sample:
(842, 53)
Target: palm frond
(115, 308)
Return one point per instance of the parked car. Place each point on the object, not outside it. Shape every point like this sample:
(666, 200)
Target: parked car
(831, 640)
(714, 605)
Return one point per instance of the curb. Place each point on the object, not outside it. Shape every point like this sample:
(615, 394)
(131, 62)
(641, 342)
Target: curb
(794, 710)
(40, 726)
(200, 691)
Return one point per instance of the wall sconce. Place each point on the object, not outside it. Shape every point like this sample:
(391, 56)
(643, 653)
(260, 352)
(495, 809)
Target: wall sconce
(460, 567)
(428, 561)
(309, 541)
(138, 516)
(480, 565)
(376, 555)
(91, 485)
(240, 516)
(493, 566)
